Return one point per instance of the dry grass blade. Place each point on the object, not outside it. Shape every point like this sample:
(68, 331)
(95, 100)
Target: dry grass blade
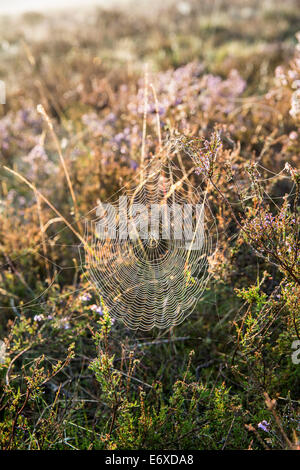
(42, 111)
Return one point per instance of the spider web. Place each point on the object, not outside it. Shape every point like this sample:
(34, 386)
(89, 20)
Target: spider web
(166, 315)
(150, 280)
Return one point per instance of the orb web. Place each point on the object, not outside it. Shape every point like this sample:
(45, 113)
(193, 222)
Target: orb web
(148, 272)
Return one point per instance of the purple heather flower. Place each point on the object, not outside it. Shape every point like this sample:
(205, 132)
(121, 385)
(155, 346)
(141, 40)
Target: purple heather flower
(96, 308)
(264, 425)
(133, 164)
(38, 318)
(85, 297)
(293, 135)
(65, 323)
